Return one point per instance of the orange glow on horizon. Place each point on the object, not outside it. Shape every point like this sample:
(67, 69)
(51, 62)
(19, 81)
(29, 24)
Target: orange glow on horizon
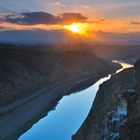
(115, 26)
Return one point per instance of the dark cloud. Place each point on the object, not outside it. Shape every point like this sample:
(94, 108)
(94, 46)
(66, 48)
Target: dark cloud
(33, 18)
(2, 28)
(135, 22)
(72, 17)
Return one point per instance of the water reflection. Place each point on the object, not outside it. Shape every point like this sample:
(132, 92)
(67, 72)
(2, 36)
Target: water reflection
(124, 65)
(66, 119)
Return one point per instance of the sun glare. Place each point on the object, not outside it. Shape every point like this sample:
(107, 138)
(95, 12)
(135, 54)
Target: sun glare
(77, 28)
(74, 28)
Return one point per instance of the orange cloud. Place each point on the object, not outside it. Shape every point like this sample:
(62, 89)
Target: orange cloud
(104, 25)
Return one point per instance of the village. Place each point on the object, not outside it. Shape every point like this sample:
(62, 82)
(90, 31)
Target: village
(114, 123)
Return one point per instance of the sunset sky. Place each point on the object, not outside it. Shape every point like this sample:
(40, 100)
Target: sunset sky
(96, 15)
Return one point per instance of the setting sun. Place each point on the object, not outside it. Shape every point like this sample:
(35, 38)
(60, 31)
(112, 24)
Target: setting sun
(78, 28)
(74, 28)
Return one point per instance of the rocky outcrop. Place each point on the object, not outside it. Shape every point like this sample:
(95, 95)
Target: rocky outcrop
(106, 102)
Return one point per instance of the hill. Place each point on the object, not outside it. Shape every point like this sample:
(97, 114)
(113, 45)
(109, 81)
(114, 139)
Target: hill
(25, 70)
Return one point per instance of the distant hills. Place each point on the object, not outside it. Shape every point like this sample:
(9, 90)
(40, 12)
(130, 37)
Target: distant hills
(34, 37)
(37, 36)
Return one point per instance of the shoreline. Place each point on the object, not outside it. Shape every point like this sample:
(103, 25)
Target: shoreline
(20, 117)
(17, 117)
(102, 105)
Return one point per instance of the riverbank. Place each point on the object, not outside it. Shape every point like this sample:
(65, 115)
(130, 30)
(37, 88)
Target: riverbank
(18, 120)
(106, 102)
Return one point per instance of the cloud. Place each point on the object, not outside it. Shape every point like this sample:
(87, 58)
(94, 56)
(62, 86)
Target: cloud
(59, 4)
(135, 22)
(2, 28)
(72, 17)
(33, 18)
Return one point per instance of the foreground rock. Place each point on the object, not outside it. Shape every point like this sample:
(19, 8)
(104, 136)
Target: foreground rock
(104, 110)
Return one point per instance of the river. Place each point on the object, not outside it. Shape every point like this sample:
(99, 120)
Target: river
(69, 114)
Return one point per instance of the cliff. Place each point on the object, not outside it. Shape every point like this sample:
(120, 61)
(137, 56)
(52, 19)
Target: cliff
(106, 102)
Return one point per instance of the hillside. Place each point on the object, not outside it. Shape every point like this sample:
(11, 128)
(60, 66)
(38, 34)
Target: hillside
(98, 124)
(24, 70)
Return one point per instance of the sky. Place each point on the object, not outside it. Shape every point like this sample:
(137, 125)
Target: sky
(115, 16)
